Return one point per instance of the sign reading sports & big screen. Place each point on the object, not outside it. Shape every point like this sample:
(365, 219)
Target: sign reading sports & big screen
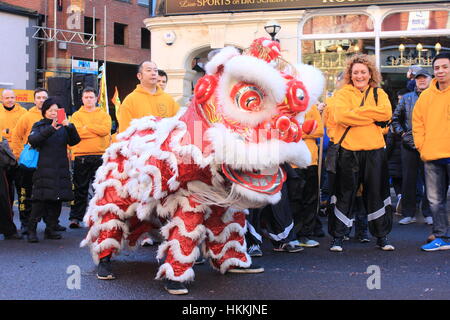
(174, 7)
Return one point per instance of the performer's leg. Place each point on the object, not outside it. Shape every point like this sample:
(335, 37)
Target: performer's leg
(183, 233)
(225, 241)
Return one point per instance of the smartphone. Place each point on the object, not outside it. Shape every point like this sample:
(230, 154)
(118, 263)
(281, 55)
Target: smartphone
(61, 115)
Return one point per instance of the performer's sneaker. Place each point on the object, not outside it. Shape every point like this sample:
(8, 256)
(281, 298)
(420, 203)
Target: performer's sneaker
(384, 244)
(336, 245)
(104, 270)
(251, 269)
(307, 243)
(288, 247)
(175, 287)
(74, 224)
(147, 242)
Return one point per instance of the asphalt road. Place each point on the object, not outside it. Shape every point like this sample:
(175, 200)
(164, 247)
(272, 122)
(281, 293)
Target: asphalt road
(42, 271)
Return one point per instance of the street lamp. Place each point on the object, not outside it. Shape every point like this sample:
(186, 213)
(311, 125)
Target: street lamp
(272, 28)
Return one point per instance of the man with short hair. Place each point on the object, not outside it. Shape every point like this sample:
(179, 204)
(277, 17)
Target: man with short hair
(94, 128)
(412, 166)
(162, 79)
(431, 130)
(18, 140)
(147, 99)
(10, 112)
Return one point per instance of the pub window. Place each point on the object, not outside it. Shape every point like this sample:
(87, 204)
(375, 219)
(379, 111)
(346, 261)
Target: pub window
(119, 33)
(330, 56)
(338, 24)
(145, 38)
(416, 20)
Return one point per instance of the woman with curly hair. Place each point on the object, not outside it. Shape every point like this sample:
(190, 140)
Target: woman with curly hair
(362, 109)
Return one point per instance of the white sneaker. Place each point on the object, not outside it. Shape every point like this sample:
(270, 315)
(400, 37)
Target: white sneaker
(428, 220)
(407, 220)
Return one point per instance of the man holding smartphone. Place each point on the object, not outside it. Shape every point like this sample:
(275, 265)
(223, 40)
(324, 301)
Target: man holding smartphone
(94, 128)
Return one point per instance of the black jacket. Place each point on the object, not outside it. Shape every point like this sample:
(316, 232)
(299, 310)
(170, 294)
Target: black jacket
(393, 154)
(51, 180)
(402, 118)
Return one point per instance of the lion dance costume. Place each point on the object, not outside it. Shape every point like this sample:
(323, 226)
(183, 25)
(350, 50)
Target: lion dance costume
(200, 170)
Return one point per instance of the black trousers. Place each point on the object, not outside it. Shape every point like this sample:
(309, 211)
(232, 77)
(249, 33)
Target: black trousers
(273, 221)
(83, 174)
(7, 226)
(304, 201)
(49, 210)
(367, 170)
(24, 189)
(412, 167)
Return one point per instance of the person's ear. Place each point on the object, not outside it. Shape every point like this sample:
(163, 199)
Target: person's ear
(139, 76)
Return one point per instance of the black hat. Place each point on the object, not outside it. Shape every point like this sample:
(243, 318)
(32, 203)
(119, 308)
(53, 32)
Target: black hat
(422, 72)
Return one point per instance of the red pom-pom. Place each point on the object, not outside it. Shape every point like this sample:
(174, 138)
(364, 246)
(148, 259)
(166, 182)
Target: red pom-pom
(205, 88)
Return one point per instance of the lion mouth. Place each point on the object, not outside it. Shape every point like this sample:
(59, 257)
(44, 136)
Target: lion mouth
(268, 181)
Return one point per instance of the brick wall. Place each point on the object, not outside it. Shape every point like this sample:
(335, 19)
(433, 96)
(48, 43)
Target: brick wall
(121, 11)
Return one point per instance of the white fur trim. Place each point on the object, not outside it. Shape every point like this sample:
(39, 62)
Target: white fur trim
(230, 149)
(197, 234)
(175, 247)
(224, 235)
(166, 271)
(220, 59)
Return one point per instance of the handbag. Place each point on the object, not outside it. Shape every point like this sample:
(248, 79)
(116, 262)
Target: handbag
(7, 158)
(29, 157)
(332, 156)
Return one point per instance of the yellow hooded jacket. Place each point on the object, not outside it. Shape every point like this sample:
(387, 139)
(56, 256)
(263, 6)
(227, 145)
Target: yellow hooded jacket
(140, 103)
(310, 139)
(431, 123)
(328, 118)
(8, 120)
(94, 129)
(364, 134)
(23, 128)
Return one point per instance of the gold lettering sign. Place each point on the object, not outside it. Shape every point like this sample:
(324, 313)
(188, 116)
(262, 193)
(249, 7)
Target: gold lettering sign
(174, 7)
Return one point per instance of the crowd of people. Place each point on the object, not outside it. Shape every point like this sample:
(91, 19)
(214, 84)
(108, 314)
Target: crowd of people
(371, 147)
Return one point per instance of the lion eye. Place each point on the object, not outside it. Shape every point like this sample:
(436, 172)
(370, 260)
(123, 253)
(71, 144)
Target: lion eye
(300, 94)
(247, 97)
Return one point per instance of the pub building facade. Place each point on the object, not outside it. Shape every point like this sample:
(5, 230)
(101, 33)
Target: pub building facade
(322, 33)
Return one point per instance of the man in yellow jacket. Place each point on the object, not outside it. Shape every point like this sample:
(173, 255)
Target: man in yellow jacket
(148, 99)
(18, 139)
(431, 132)
(10, 112)
(94, 128)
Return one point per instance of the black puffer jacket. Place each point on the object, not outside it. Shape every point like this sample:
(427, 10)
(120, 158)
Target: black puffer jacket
(51, 180)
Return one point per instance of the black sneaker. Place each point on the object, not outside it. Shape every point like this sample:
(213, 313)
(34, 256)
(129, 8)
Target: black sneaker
(13, 236)
(104, 270)
(175, 287)
(384, 244)
(74, 224)
(254, 251)
(363, 238)
(251, 269)
(336, 245)
(287, 247)
(60, 228)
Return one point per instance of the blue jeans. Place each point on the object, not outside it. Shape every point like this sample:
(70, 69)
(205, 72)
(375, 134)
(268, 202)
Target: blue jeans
(437, 177)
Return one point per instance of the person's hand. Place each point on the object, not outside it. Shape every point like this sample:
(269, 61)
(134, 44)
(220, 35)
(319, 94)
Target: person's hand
(55, 124)
(65, 122)
(321, 106)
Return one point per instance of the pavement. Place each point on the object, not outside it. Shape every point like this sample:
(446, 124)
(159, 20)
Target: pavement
(61, 270)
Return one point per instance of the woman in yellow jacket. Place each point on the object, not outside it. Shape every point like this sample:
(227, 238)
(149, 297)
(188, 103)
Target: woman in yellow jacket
(361, 109)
